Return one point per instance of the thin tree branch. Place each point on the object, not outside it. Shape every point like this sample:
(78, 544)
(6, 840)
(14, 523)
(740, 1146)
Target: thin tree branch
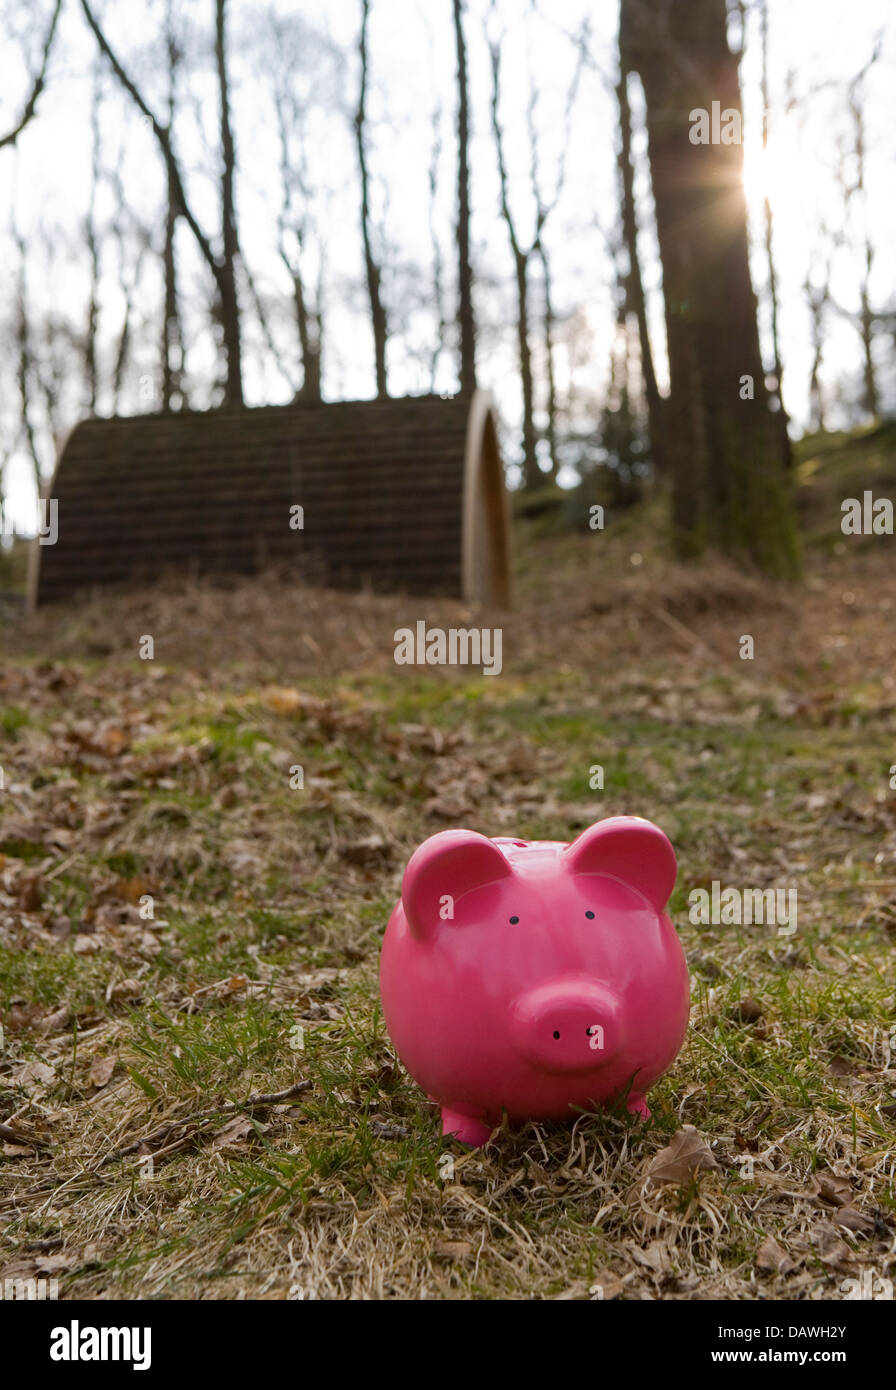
(39, 83)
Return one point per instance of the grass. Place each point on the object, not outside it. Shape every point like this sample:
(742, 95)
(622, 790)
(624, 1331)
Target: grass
(182, 930)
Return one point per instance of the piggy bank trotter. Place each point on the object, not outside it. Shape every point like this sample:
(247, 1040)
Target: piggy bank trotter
(535, 978)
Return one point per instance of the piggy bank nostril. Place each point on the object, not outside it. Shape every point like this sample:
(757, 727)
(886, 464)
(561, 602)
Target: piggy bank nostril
(556, 1035)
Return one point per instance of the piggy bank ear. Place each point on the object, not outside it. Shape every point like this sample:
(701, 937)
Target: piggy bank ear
(631, 849)
(442, 870)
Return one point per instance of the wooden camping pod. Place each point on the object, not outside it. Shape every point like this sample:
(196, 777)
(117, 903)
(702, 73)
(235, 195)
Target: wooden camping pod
(403, 495)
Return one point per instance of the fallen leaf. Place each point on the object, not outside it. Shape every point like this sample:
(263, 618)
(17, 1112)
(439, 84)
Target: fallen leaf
(747, 1010)
(771, 1256)
(101, 1069)
(87, 945)
(284, 699)
(233, 1134)
(836, 1191)
(655, 1256)
(30, 894)
(56, 1021)
(852, 1220)
(123, 990)
(831, 1250)
(32, 1075)
(687, 1154)
(370, 849)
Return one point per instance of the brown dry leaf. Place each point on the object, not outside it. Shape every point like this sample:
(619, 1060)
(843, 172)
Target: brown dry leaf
(55, 1264)
(370, 849)
(747, 1010)
(56, 1021)
(283, 699)
(30, 894)
(123, 990)
(831, 1250)
(101, 1069)
(32, 1075)
(655, 1256)
(687, 1154)
(234, 1134)
(133, 889)
(87, 945)
(852, 1220)
(452, 804)
(843, 1066)
(771, 1256)
(836, 1191)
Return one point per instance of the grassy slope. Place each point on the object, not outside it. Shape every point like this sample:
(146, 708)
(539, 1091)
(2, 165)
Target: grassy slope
(171, 778)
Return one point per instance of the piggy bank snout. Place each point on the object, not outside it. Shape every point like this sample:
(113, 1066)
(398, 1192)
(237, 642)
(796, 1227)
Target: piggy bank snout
(571, 1025)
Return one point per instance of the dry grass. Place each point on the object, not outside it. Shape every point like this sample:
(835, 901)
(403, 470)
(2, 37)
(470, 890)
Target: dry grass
(170, 779)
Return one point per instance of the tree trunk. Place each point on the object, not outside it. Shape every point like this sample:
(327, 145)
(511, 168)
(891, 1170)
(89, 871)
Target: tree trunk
(723, 445)
(377, 311)
(30, 107)
(226, 290)
(551, 432)
(530, 457)
(93, 252)
(521, 267)
(634, 285)
(781, 415)
(172, 336)
(465, 271)
(308, 325)
(227, 284)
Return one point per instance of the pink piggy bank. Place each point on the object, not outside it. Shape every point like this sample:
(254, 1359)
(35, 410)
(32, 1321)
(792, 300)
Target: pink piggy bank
(535, 978)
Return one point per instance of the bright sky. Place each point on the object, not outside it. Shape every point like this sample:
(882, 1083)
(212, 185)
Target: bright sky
(45, 186)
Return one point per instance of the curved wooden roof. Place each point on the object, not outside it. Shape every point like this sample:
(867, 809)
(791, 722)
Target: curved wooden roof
(401, 495)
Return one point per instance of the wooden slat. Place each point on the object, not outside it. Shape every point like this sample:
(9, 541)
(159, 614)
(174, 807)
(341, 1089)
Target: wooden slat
(380, 483)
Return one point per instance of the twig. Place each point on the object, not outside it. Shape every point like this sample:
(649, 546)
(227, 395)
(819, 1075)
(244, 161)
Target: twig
(254, 1102)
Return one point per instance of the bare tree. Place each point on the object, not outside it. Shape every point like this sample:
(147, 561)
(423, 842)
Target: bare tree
(222, 267)
(438, 288)
(227, 286)
(465, 313)
(523, 254)
(633, 283)
(172, 342)
(726, 455)
(378, 318)
(544, 206)
(30, 107)
(818, 299)
(769, 245)
(293, 229)
(867, 319)
(91, 241)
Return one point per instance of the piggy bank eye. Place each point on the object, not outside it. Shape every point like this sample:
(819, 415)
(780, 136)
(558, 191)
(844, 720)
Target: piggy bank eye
(513, 921)
(590, 916)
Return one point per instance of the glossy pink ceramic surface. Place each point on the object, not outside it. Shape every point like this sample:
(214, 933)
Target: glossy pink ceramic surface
(535, 977)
